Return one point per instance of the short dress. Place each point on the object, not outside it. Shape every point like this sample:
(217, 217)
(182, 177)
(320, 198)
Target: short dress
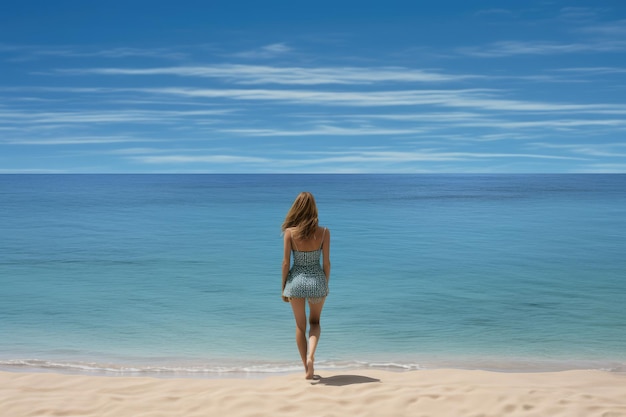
(306, 277)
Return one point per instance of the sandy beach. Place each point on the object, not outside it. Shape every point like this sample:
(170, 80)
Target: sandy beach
(441, 392)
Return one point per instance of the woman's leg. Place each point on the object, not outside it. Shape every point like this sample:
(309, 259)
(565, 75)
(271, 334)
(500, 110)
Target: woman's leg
(299, 313)
(315, 311)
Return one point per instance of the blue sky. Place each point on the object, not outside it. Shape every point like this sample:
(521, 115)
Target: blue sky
(320, 86)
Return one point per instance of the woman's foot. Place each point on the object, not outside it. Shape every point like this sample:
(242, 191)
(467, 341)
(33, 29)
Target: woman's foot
(310, 370)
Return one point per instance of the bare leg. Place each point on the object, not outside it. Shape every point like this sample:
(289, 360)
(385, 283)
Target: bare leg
(315, 311)
(299, 313)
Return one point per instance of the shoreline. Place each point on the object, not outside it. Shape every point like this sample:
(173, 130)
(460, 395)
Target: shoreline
(241, 369)
(357, 393)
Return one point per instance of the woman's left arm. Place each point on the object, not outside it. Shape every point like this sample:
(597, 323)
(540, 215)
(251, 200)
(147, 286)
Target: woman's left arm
(286, 260)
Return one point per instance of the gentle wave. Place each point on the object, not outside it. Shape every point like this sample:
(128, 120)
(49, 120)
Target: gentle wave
(190, 370)
(264, 369)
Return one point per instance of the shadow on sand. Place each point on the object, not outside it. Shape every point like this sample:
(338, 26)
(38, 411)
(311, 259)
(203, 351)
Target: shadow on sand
(342, 380)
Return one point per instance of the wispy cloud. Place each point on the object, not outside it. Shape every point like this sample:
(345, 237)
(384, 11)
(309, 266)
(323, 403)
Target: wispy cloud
(610, 150)
(262, 74)
(475, 99)
(593, 37)
(351, 160)
(31, 52)
(328, 131)
(105, 116)
(390, 156)
(511, 48)
(594, 70)
(615, 29)
(485, 99)
(113, 53)
(495, 12)
(31, 171)
(461, 119)
(578, 14)
(203, 159)
(265, 52)
(76, 140)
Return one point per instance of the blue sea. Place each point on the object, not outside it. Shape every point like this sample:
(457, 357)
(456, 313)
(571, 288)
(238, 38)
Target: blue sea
(180, 275)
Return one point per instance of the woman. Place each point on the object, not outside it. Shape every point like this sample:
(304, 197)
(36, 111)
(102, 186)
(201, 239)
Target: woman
(306, 280)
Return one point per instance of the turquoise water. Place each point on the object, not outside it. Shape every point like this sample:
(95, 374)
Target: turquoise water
(180, 274)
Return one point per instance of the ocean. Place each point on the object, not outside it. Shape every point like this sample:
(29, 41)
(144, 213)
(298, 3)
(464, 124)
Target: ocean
(179, 275)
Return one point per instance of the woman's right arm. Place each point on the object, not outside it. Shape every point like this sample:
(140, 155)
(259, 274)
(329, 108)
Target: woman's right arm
(326, 254)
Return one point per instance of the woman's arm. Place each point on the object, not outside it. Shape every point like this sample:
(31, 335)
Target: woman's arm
(326, 254)
(286, 258)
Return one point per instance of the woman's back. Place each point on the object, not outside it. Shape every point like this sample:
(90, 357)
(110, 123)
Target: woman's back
(308, 245)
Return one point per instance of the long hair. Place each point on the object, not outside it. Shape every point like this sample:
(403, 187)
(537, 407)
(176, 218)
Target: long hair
(302, 216)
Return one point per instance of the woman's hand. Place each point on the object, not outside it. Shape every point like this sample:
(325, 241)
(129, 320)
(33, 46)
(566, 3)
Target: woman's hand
(285, 299)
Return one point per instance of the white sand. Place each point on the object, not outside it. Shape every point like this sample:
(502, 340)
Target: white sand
(455, 393)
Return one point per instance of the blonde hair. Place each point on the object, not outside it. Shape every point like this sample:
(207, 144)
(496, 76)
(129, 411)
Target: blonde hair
(302, 216)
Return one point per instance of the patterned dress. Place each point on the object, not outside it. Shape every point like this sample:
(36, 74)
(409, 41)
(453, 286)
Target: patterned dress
(306, 277)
